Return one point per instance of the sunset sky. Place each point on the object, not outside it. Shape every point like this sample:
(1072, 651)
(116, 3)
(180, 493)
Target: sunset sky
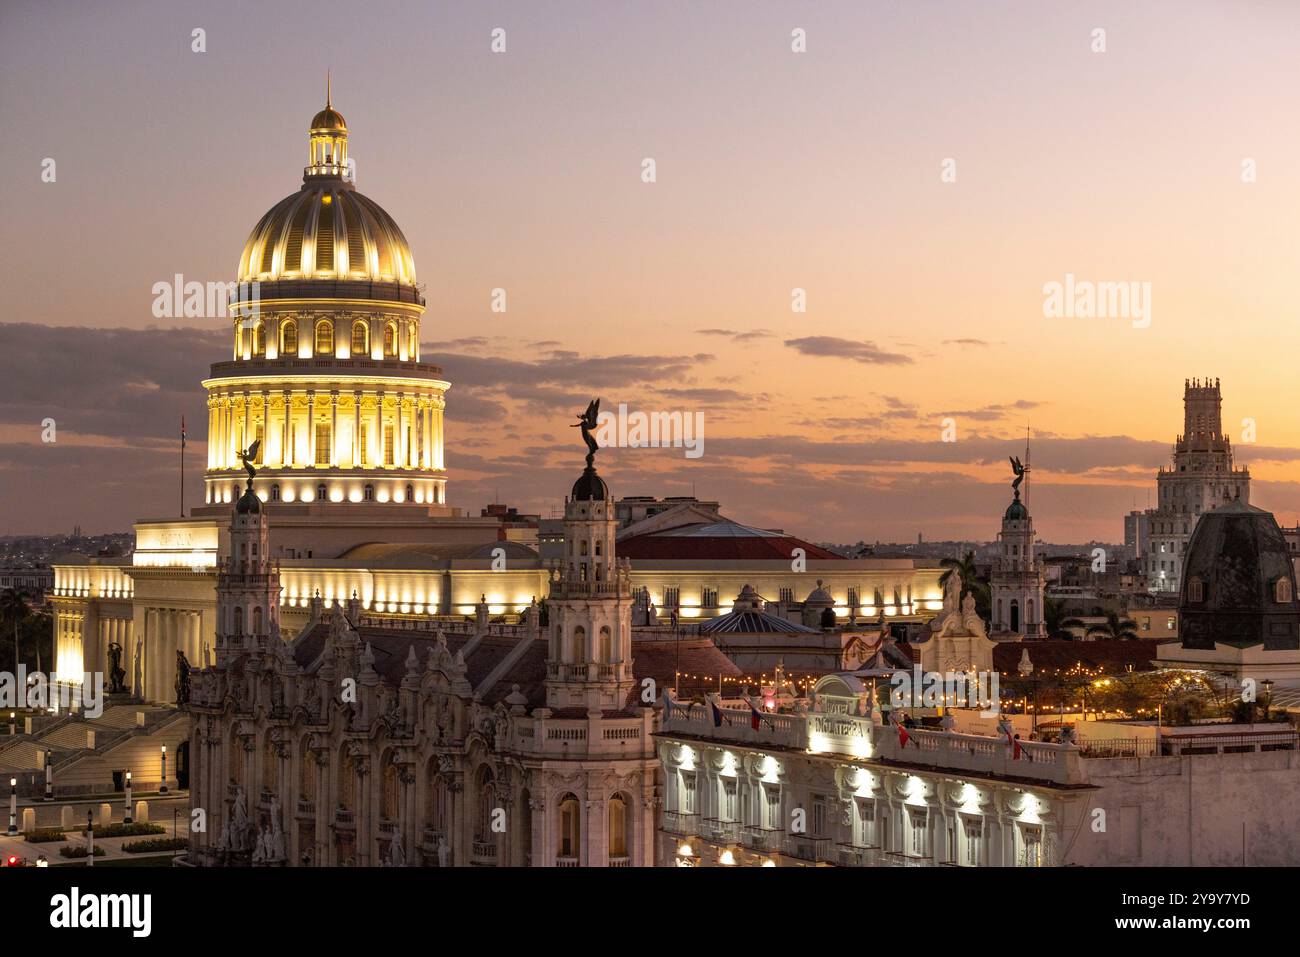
(775, 170)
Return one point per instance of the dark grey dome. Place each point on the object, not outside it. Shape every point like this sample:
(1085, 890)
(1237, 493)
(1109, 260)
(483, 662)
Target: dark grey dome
(1238, 585)
(590, 487)
(1016, 511)
(249, 503)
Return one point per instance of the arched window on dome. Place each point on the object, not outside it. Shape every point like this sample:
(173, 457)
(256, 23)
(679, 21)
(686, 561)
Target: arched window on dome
(289, 338)
(1282, 591)
(390, 339)
(1195, 590)
(412, 341)
(360, 340)
(259, 339)
(324, 337)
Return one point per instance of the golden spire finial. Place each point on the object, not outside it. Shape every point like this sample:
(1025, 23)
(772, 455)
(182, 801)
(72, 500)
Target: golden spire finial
(327, 89)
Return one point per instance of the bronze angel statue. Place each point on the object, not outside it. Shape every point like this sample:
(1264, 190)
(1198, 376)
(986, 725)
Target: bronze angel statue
(1020, 471)
(587, 422)
(249, 456)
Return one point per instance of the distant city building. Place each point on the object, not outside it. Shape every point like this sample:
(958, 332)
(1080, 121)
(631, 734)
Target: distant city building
(1137, 532)
(1200, 477)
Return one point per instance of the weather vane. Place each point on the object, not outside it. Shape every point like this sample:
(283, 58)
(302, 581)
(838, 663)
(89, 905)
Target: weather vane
(587, 422)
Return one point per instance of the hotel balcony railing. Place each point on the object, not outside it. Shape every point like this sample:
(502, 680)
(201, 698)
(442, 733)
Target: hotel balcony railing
(758, 838)
(899, 859)
(719, 831)
(387, 827)
(343, 818)
(306, 807)
(620, 862)
(855, 855)
(678, 822)
(566, 862)
(859, 738)
(811, 849)
(484, 853)
(572, 588)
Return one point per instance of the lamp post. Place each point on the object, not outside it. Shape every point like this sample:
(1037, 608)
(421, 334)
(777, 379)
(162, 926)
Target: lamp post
(90, 839)
(49, 775)
(13, 727)
(126, 818)
(13, 806)
(163, 788)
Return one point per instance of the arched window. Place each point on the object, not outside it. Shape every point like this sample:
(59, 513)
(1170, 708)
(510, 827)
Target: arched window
(390, 339)
(257, 621)
(606, 645)
(369, 494)
(410, 493)
(1015, 615)
(1282, 591)
(578, 646)
(618, 822)
(360, 339)
(570, 829)
(259, 339)
(321, 492)
(324, 337)
(289, 338)
(412, 338)
(1195, 590)
(237, 626)
(487, 800)
(275, 492)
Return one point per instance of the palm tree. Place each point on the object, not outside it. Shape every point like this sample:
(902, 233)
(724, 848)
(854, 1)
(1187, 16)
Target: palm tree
(1058, 626)
(971, 581)
(13, 613)
(1115, 628)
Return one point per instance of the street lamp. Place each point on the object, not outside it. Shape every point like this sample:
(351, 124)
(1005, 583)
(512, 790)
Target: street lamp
(163, 788)
(127, 816)
(90, 839)
(13, 806)
(13, 727)
(49, 775)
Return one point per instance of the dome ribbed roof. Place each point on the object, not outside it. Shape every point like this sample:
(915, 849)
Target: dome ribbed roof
(328, 119)
(1016, 511)
(327, 230)
(1234, 563)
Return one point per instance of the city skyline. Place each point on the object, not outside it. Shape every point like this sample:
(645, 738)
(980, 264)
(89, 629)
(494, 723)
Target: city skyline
(821, 171)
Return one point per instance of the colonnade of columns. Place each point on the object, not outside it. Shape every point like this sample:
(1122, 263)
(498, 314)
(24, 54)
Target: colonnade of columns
(166, 631)
(235, 418)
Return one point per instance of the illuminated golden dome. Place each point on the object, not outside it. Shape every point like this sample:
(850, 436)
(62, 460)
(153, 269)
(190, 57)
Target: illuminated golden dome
(327, 230)
(328, 119)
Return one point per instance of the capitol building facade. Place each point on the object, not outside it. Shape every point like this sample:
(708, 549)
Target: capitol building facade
(325, 551)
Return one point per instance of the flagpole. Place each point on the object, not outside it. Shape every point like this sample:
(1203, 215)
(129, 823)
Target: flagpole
(182, 466)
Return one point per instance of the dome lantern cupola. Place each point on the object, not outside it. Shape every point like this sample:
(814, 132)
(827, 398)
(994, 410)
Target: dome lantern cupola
(327, 142)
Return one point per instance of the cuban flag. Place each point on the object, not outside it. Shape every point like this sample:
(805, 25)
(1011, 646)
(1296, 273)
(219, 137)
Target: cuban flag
(755, 717)
(182, 432)
(717, 713)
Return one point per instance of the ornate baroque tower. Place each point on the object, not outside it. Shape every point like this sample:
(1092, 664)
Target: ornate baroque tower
(248, 585)
(1017, 581)
(589, 659)
(1200, 478)
(325, 368)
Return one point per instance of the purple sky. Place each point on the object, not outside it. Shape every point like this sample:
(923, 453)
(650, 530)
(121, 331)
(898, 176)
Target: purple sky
(776, 170)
